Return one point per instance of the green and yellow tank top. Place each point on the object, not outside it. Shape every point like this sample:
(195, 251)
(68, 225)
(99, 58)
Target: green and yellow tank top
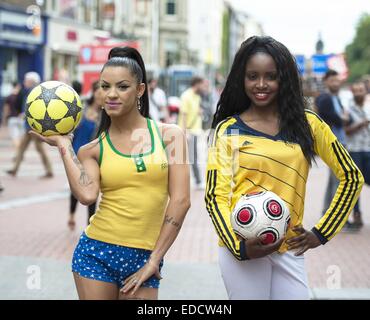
(134, 194)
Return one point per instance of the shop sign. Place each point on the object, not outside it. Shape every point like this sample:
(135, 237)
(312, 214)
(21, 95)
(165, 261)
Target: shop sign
(15, 27)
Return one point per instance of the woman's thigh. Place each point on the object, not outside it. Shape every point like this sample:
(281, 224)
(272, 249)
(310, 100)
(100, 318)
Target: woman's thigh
(141, 294)
(89, 289)
(289, 277)
(245, 280)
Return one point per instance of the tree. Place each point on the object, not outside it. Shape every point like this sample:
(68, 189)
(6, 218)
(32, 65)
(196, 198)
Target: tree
(358, 52)
(225, 42)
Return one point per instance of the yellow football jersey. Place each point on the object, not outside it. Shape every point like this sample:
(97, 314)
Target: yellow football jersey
(242, 160)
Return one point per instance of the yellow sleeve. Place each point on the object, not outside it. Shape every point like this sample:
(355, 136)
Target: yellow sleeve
(332, 152)
(218, 191)
(184, 107)
(184, 103)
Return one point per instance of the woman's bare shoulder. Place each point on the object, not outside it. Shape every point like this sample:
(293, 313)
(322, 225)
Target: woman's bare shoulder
(90, 150)
(170, 131)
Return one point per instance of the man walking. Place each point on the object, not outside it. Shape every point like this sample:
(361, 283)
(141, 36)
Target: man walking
(190, 119)
(31, 80)
(358, 138)
(157, 102)
(331, 110)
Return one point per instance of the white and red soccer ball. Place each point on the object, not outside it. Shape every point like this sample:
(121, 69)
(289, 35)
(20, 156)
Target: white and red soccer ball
(261, 214)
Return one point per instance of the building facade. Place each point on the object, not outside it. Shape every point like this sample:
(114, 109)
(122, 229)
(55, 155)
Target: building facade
(173, 31)
(23, 36)
(160, 27)
(48, 37)
(205, 32)
(71, 24)
(237, 27)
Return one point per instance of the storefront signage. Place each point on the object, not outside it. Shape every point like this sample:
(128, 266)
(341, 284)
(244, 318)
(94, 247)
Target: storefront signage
(14, 27)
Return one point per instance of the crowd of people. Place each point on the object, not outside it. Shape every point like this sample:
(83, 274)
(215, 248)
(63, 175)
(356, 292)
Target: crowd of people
(351, 126)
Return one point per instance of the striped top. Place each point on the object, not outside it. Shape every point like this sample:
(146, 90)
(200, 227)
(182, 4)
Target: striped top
(243, 160)
(359, 141)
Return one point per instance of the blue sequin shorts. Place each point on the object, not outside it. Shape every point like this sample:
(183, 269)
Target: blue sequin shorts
(107, 262)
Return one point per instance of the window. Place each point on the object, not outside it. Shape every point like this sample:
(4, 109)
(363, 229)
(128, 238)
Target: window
(171, 48)
(68, 9)
(85, 11)
(171, 7)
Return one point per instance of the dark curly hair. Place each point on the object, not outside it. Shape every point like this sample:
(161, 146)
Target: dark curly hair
(128, 53)
(291, 102)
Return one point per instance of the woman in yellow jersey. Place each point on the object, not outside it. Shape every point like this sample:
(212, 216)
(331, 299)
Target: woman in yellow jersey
(140, 168)
(265, 139)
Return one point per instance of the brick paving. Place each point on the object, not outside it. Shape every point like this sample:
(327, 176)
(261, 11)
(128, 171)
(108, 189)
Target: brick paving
(39, 230)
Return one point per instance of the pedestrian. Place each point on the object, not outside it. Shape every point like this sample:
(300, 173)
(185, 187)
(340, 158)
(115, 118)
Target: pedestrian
(31, 80)
(265, 139)
(145, 193)
(11, 116)
(207, 101)
(157, 102)
(329, 107)
(190, 119)
(358, 139)
(366, 80)
(83, 134)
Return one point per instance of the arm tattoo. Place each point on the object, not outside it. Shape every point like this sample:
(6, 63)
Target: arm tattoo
(84, 178)
(62, 151)
(74, 157)
(169, 220)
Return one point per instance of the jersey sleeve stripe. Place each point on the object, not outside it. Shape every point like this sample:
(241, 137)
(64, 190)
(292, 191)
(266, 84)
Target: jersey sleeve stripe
(349, 189)
(351, 195)
(217, 130)
(220, 218)
(217, 218)
(209, 209)
(341, 214)
(214, 218)
(314, 114)
(348, 155)
(324, 226)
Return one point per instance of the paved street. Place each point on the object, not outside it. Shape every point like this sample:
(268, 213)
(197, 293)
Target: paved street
(34, 239)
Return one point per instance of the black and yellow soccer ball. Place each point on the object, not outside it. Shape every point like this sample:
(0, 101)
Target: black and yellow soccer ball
(53, 108)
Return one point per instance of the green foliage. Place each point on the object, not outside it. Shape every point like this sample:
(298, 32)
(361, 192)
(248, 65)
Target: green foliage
(358, 52)
(225, 41)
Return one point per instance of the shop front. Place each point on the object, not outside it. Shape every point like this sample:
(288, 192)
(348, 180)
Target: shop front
(65, 38)
(22, 43)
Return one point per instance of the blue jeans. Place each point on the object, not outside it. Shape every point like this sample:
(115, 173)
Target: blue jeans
(362, 160)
